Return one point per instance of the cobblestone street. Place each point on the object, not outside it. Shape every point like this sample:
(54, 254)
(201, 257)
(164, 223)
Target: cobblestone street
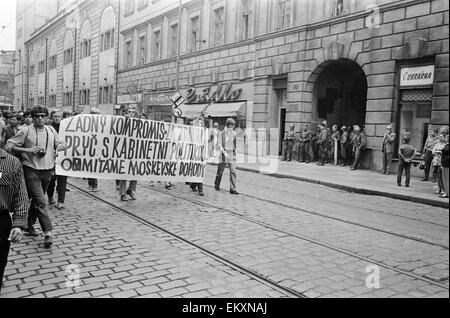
(278, 238)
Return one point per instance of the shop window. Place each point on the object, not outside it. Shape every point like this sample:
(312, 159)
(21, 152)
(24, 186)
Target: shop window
(415, 115)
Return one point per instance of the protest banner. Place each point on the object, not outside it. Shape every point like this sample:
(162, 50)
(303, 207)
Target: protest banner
(123, 148)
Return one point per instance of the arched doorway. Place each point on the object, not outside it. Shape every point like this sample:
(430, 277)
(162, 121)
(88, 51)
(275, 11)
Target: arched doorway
(339, 93)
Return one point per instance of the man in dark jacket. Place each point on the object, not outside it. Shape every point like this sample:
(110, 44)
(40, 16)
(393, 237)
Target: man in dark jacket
(358, 146)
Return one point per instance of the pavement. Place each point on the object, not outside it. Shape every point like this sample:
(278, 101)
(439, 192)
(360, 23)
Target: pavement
(358, 181)
(314, 239)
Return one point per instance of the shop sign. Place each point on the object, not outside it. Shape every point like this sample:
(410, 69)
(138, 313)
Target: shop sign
(221, 92)
(155, 99)
(129, 98)
(417, 76)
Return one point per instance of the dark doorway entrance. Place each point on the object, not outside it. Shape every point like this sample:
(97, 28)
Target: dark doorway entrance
(340, 94)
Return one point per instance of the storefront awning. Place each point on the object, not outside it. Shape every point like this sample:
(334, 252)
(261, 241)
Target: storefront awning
(226, 109)
(192, 110)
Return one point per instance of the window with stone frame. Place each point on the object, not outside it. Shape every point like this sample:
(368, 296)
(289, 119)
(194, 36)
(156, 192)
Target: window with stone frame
(85, 48)
(31, 71)
(41, 67)
(142, 49)
(218, 18)
(173, 40)
(41, 100)
(30, 102)
(142, 4)
(337, 8)
(67, 99)
(68, 56)
(128, 53)
(247, 19)
(52, 100)
(84, 96)
(156, 47)
(284, 11)
(105, 95)
(195, 34)
(129, 7)
(107, 40)
(52, 62)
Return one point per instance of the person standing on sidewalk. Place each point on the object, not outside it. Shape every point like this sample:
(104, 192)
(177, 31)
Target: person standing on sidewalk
(305, 142)
(93, 182)
(14, 200)
(428, 153)
(387, 149)
(290, 139)
(406, 153)
(322, 143)
(122, 184)
(37, 144)
(333, 147)
(358, 146)
(227, 156)
(445, 168)
(437, 157)
(344, 145)
(59, 181)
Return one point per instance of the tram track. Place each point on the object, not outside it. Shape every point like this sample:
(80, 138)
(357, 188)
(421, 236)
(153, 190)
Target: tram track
(262, 279)
(310, 240)
(356, 207)
(289, 206)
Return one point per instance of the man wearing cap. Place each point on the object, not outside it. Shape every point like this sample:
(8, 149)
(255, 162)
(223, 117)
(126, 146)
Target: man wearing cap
(387, 149)
(305, 143)
(290, 139)
(344, 145)
(323, 145)
(227, 156)
(92, 182)
(358, 146)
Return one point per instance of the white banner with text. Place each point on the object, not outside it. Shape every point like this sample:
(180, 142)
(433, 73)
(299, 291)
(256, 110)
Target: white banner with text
(121, 148)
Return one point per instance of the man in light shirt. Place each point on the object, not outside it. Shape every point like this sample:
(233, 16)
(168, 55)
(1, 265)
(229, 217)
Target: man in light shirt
(37, 144)
(227, 156)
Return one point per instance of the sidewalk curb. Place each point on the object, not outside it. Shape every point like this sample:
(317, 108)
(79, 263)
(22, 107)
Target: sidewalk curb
(437, 203)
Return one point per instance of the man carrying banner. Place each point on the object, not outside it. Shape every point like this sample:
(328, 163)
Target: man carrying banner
(37, 144)
(130, 112)
(227, 147)
(198, 185)
(93, 182)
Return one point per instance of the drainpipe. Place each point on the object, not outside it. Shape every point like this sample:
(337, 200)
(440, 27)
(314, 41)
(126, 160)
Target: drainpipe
(74, 65)
(116, 67)
(46, 72)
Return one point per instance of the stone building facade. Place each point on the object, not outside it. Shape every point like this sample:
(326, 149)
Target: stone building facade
(71, 59)
(293, 62)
